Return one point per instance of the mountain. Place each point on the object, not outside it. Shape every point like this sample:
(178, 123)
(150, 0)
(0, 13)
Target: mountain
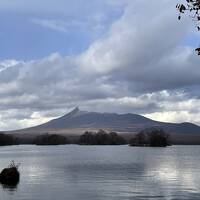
(127, 123)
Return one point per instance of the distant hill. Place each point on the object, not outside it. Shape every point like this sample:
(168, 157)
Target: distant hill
(77, 121)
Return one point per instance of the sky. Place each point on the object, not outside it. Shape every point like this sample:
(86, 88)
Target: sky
(101, 55)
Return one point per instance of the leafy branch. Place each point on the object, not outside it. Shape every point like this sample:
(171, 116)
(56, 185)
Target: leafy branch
(193, 7)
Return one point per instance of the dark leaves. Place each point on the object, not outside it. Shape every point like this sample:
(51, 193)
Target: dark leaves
(181, 8)
(198, 51)
(193, 7)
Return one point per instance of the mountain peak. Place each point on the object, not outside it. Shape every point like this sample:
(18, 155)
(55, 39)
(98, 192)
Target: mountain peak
(74, 111)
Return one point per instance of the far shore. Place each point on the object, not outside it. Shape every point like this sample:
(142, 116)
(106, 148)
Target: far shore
(72, 137)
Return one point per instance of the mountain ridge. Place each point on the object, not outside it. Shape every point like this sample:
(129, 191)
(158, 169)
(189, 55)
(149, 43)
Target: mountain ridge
(77, 119)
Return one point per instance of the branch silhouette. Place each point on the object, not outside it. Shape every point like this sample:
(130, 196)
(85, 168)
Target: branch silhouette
(193, 8)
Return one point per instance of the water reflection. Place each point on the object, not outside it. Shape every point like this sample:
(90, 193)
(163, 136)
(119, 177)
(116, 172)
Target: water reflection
(108, 173)
(98, 171)
(10, 189)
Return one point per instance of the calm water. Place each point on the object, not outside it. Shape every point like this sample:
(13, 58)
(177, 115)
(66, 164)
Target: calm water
(103, 173)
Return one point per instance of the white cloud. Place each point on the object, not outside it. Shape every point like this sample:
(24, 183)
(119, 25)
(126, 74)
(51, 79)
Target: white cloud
(175, 116)
(140, 65)
(65, 26)
(57, 25)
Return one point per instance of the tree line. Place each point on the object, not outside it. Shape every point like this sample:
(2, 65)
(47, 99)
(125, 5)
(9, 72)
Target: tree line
(152, 138)
(101, 138)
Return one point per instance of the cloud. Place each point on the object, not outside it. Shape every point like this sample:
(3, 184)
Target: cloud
(57, 25)
(135, 50)
(95, 24)
(140, 65)
(63, 7)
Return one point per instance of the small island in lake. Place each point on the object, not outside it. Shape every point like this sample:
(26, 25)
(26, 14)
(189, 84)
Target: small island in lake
(150, 138)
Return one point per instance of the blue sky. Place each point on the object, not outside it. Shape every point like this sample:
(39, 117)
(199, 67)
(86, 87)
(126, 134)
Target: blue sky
(101, 55)
(35, 30)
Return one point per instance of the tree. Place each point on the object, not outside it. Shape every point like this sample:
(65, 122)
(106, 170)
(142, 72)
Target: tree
(51, 139)
(101, 138)
(158, 138)
(140, 139)
(6, 139)
(151, 138)
(193, 7)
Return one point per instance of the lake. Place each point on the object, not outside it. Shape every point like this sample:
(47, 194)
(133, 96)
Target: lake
(75, 172)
